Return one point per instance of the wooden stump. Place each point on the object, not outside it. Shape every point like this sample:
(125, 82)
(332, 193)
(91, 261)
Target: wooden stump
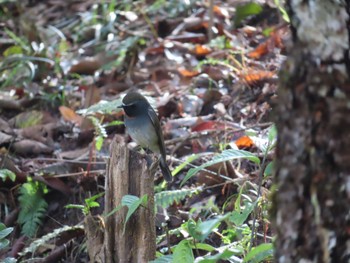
(127, 174)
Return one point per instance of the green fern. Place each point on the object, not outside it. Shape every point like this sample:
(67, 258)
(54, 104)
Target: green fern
(103, 107)
(32, 206)
(44, 240)
(167, 198)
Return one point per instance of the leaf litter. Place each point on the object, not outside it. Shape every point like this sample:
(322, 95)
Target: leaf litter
(65, 66)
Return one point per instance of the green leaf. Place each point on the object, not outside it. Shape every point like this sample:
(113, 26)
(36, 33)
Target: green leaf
(104, 107)
(63, 45)
(23, 43)
(226, 254)
(284, 13)
(183, 252)
(13, 50)
(246, 10)
(238, 200)
(203, 246)
(192, 229)
(259, 253)
(32, 207)
(94, 204)
(4, 243)
(272, 134)
(269, 168)
(205, 228)
(113, 123)
(99, 142)
(226, 155)
(163, 259)
(93, 198)
(5, 173)
(132, 202)
(28, 119)
(239, 217)
(114, 210)
(189, 159)
(167, 198)
(5, 231)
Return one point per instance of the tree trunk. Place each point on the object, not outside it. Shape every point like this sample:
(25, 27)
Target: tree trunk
(312, 203)
(127, 174)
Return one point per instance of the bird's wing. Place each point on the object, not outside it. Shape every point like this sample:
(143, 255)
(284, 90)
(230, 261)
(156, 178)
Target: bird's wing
(154, 118)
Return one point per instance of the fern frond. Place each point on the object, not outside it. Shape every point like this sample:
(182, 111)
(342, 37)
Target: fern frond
(32, 207)
(48, 237)
(167, 198)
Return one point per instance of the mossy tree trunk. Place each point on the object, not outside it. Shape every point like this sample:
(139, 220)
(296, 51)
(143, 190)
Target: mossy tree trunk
(311, 206)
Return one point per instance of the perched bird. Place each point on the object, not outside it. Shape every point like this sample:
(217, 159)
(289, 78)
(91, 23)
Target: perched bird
(143, 126)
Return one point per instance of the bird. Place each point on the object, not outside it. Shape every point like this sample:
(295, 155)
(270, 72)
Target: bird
(143, 126)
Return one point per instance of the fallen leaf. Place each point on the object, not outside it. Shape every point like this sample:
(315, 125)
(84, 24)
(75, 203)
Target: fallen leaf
(220, 12)
(244, 142)
(70, 115)
(29, 119)
(187, 73)
(201, 50)
(208, 126)
(30, 147)
(5, 138)
(252, 77)
(86, 66)
(267, 46)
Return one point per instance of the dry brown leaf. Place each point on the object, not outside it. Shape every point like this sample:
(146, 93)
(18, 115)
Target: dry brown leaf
(40, 133)
(251, 77)
(86, 66)
(244, 142)
(70, 115)
(30, 147)
(220, 12)
(267, 46)
(201, 50)
(187, 73)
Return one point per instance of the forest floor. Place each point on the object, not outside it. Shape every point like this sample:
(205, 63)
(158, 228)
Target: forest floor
(211, 73)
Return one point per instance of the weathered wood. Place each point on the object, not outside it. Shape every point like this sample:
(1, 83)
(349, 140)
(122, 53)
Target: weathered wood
(127, 174)
(94, 231)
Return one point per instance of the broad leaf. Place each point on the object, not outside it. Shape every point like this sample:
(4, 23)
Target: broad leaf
(183, 252)
(132, 202)
(5, 231)
(259, 253)
(239, 217)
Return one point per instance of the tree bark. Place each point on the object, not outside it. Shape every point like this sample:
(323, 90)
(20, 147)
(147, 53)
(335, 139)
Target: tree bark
(108, 242)
(311, 205)
(127, 174)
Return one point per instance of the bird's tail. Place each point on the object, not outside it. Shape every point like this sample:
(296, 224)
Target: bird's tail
(165, 169)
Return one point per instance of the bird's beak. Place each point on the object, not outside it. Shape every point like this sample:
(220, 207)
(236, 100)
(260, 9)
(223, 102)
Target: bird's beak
(120, 106)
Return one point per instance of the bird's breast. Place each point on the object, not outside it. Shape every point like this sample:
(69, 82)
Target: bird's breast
(143, 133)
